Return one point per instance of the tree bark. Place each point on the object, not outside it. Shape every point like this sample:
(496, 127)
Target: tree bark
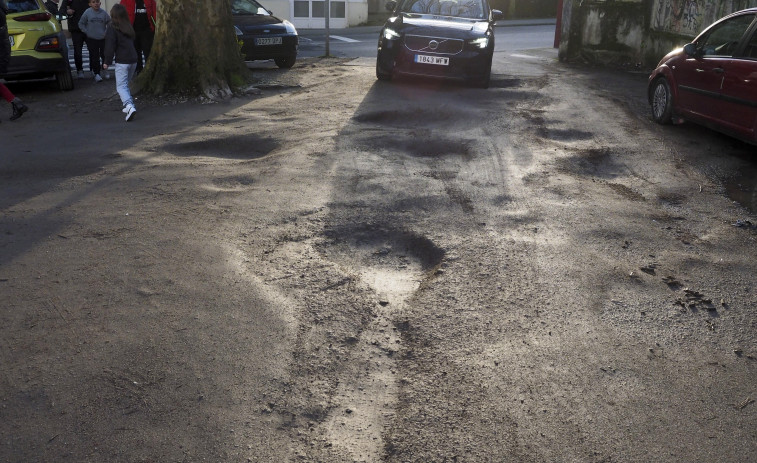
(195, 51)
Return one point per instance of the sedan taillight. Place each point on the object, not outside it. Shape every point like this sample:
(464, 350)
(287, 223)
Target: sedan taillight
(48, 44)
(34, 17)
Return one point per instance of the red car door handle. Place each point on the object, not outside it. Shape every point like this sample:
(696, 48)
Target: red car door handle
(718, 70)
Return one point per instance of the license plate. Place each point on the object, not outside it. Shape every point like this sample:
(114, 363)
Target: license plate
(438, 60)
(268, 41)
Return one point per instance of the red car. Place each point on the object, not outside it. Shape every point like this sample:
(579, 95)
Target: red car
(713, 80)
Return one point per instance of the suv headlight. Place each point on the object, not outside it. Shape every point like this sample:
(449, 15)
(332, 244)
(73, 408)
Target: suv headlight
(391, 34)
(290, 27)
(481, 42)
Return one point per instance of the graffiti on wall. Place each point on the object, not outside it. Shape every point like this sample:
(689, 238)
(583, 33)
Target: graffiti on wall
(690, 17)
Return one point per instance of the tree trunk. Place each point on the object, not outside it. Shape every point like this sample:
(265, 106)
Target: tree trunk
(195, 51)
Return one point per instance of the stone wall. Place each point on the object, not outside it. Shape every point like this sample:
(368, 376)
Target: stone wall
(635, 32)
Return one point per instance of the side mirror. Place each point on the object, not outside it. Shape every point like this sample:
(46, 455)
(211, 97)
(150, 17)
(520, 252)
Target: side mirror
(691, 49)
(497, 15)
(391, 5)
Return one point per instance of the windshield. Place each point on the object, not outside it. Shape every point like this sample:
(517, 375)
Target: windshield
(473, 9)
(19, 6)
(248, 7)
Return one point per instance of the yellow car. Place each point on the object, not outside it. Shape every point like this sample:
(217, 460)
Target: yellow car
(38, 48)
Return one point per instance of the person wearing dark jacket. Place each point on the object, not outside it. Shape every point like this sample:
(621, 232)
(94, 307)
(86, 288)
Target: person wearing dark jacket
(142, 14)
(74, 9)
(19, 108)
(52, 7)
(119, 45)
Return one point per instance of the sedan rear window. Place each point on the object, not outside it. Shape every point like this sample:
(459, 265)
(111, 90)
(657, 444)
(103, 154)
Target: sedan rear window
(722, 39)
(20, 6)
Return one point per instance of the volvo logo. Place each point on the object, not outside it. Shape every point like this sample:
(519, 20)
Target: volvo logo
(433, 45)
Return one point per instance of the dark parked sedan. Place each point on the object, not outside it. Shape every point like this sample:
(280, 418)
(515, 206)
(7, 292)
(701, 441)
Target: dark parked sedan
(263, 35)
(713, 80)
(451, 39)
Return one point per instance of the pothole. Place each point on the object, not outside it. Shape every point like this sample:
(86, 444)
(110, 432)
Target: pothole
(504, 82)
(422, 144)
(597, 162)
(230, 184)
(233, 147)
(743, 189)
(394, 263)
(568, 135)
(401, 118)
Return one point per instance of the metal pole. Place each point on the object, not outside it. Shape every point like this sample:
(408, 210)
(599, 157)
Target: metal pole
(327, 7)
(558, 27)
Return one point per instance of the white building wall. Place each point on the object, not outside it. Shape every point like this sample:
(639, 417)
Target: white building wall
(280, 8)
(357, 10)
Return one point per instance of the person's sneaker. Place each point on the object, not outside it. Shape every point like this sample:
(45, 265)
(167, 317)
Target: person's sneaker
(18, 110)
(98, 78)
(107, 76)
(130, 110)
(80, 75)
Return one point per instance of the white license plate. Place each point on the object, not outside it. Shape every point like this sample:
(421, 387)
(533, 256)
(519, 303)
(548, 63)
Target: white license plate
(268, 41)
(438, 60)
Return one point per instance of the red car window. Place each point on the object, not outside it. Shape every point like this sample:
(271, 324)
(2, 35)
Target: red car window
(723, 39)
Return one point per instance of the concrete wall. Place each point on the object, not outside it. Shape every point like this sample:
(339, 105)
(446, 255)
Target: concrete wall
(635, 32)
(280, 8)
(357, 13)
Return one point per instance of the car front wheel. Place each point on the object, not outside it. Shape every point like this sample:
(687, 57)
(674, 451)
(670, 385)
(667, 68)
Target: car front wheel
(662, 101)
(286, 61)
(381, 75)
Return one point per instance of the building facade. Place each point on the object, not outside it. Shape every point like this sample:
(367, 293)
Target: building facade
(308, 14)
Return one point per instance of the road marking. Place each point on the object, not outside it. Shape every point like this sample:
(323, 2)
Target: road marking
(344, 39)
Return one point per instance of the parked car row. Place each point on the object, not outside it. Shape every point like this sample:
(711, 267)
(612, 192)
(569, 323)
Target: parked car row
(38, 51)
(711, 81)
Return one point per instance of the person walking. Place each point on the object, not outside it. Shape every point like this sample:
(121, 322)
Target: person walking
(54, 9)
(119, 45)
(94, 23)
(142, 14)
(19, 108)
(74, 9)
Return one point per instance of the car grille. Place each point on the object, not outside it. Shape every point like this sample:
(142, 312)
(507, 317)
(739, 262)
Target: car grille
(439, 45)
(257, 30)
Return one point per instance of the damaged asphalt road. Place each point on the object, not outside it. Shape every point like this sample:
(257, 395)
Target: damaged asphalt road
(338, 269)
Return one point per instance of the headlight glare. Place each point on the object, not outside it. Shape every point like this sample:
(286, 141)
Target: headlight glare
(290, 27)
(390, 34)
(481, 42)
